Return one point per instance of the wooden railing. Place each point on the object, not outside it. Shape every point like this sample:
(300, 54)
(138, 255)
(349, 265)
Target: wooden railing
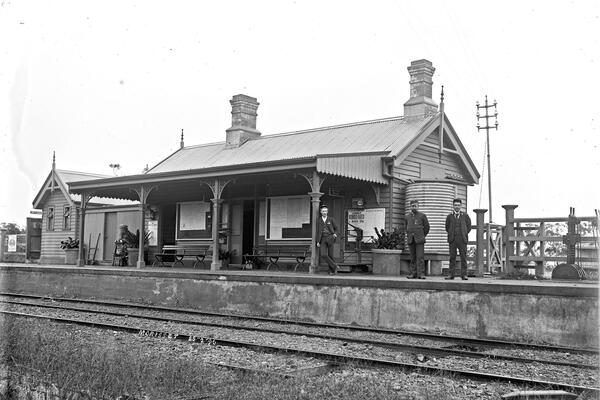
(523, 243)
(489, 245)
(527, 240)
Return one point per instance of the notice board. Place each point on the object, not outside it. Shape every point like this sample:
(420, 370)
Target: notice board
(366, 219)
(194, 220)
(288, 218)
(153, 231)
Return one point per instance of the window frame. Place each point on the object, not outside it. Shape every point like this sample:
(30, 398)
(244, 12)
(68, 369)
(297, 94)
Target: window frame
(66, 218)
(50, 219)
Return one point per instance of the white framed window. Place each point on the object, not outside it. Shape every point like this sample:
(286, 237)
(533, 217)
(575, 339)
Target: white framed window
(66, 218)
(50, 219)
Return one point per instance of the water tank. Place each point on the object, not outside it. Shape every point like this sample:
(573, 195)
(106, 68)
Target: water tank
(435, 201)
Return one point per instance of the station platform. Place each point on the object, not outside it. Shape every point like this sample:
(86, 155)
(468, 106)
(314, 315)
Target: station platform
(553, 312)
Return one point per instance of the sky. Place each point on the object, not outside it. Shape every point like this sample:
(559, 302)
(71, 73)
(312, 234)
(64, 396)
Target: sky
(114, 82)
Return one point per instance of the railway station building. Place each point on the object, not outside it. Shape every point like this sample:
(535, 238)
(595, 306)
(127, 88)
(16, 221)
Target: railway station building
(256, 189)
(61, 213)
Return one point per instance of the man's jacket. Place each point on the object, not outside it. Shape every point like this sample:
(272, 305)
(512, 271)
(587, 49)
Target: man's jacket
(417, 227)
(329, 223)
(465, 226)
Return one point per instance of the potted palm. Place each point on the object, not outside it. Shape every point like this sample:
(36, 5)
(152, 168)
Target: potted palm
(387, 251)
(71, 248)
(224, 256)
(133, 243)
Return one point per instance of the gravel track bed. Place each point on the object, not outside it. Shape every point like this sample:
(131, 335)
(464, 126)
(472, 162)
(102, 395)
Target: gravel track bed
(225, 355)
(587, 359)
(567, 375)
(407, 384)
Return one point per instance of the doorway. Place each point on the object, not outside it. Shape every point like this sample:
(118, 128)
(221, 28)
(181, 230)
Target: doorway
(242, 229)
(110, 235)
(248, 227)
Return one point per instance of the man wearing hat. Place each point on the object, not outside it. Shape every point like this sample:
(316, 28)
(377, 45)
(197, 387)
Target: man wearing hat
(417, 228)
(326, 234)
(458, 226)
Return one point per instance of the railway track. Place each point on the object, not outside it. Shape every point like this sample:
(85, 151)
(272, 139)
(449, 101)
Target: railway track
(457, 340)
(329, 356)
(413, 348)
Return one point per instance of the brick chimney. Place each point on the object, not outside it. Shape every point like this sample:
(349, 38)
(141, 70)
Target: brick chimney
(243, 121)
(420, 104)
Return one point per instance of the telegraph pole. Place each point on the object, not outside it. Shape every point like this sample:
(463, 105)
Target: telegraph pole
(487, 128)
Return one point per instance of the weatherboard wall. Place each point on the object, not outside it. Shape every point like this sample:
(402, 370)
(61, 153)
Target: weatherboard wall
(52, 236)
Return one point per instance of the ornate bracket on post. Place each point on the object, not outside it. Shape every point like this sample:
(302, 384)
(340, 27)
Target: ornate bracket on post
(377, 191)
(218, 185)
(216, 263)
(143, 192)
(314, 179)
(315, 200)
(85, 199)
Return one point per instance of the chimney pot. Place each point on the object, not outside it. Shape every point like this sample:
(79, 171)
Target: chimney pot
(243, 120)
(420, 103)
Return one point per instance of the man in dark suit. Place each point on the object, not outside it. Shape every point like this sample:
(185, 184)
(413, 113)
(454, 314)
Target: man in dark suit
(417, 227)
(458, 226)
(326, 235)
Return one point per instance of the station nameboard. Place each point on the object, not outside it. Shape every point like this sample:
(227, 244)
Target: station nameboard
(367, 219)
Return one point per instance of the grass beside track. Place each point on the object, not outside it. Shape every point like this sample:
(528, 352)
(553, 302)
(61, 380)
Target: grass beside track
(108, 368)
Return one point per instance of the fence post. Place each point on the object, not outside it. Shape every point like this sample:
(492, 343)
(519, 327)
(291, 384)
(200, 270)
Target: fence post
(541, 265)
(509, 231)
(479, 242)
(2, 239)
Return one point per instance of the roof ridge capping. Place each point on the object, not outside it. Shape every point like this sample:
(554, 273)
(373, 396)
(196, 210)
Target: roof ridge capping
(81, 173)
(323, 128)
(345, 125)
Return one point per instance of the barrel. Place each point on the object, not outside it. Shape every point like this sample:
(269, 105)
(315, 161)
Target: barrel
(435, 201)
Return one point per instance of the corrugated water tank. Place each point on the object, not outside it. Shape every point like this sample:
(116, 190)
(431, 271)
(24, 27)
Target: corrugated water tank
(435, 201)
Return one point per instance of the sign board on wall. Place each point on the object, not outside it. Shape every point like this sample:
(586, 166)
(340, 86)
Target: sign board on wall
(367, 219)
(12, 243)
(153, 231)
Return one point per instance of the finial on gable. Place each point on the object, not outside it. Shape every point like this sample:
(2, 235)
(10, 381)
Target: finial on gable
(53, 160)
(181, 142)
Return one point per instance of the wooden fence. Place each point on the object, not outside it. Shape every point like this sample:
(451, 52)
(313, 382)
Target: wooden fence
(528, 243)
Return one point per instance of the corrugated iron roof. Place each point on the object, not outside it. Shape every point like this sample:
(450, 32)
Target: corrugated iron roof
(389, 135)
(76, 176)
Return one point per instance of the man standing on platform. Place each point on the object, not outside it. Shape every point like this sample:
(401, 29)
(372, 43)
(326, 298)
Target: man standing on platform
(417, 227)
(458, 226)
(326, 235)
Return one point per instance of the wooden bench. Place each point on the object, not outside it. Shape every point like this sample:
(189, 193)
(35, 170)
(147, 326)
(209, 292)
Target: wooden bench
(178, 252)
(271, 256)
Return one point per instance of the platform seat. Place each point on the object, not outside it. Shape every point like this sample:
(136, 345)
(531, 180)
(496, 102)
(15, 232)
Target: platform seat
(269, 256)
(176, 253)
